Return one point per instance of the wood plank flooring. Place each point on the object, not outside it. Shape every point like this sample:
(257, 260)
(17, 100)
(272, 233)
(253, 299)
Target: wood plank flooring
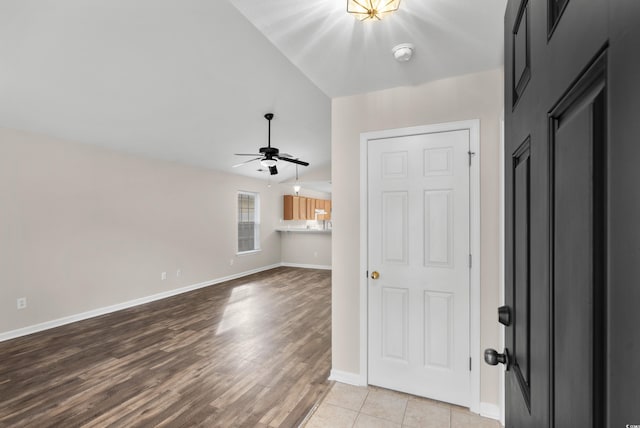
(255, 351)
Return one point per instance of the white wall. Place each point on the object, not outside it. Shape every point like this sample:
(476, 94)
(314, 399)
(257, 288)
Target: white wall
(83, 228)
(306, 249)
(476, 96)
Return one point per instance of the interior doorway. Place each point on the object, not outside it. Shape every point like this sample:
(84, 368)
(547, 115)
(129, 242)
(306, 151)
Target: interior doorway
(420, 254)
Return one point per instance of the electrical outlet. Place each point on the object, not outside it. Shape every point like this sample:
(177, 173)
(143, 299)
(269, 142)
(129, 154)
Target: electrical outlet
(163, 276)
(178, 273)
(231, 262)
(21, 303)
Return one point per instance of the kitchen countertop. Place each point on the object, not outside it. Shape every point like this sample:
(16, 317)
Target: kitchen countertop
(302, 230)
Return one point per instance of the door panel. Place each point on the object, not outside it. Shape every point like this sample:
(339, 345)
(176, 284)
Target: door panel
(573, 295)
(521, 53)
(519, 342)
(438, 328)
(395, 324)
(394, 227)
(438, 228)
(419, 243)
(578, 142)
(579, 36)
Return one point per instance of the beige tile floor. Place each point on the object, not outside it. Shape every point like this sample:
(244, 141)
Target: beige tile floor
(372, 407)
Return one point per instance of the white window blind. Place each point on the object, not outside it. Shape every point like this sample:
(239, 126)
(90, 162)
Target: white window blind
(248, 222)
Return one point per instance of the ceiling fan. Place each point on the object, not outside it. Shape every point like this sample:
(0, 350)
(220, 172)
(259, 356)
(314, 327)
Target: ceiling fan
(269, 156)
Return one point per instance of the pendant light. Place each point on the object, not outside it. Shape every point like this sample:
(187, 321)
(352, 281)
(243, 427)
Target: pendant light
(296, 187)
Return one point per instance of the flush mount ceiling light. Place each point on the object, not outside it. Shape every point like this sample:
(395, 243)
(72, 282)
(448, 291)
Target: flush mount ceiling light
(403, 52)
(372, 9)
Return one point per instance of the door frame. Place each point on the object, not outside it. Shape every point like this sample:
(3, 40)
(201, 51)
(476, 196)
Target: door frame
(473, 126)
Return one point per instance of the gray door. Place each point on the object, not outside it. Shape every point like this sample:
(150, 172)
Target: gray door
(570, 158)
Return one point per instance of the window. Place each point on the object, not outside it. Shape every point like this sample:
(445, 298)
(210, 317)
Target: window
(248, 222)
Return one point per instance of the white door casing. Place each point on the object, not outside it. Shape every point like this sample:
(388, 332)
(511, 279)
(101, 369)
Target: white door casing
(423, 313)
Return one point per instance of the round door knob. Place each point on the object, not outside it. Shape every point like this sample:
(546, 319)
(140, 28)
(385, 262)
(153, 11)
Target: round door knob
(493, 358)
(375, 275)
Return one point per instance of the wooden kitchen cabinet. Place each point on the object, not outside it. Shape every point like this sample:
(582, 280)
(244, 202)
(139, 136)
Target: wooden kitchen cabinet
(291, 207)
(287, 212)
(327, 208)
(302, 208)
(324, 204)
(319, 206)
(296, 208)
(311, 207)
(302, 213)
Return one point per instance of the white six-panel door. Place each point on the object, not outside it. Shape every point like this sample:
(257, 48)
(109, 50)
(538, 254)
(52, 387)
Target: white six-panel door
(418, 239)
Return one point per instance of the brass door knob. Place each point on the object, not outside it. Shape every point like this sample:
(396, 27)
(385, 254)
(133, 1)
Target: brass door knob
(375, 275)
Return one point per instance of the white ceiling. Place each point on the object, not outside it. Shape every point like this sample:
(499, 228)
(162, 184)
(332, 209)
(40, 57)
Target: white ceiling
(190, 80)
(344, 56)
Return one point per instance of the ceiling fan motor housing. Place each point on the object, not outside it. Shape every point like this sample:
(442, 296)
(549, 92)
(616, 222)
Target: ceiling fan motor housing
(269, 151)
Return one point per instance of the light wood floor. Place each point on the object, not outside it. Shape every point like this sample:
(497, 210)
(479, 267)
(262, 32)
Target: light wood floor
(250, 352)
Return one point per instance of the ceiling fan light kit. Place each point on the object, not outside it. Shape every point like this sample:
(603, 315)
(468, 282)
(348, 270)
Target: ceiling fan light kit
(268, 163)
(269, 156)
(372, 9)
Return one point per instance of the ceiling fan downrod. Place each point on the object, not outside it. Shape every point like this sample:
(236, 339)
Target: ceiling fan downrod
(269, 116)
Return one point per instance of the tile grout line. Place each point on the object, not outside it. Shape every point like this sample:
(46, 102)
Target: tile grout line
(363, 401)
(404, 414)
(360, 408)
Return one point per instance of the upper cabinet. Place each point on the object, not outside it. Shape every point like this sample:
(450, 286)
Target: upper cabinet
(325, 204)
(302, 208)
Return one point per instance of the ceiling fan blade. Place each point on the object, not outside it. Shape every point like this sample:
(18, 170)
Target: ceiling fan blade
(297, 161)
(248, 154)
(273, 170)
(245, 162)
(286, 155)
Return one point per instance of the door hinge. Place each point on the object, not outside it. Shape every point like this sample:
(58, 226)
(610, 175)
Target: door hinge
(469, 363)
(471, 155)
(470, 261)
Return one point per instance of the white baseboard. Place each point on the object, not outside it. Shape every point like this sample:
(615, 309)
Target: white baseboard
(124, 305)
(347, 377)
(306, 266)
(490, 410)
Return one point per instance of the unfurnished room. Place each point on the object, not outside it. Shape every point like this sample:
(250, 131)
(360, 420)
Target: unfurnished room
(329, 213)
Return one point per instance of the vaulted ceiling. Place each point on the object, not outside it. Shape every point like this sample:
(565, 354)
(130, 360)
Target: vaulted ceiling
(344, 56)
(190, 80)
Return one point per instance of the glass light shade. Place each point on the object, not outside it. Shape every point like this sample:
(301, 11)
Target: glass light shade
(296, 188)
(268, 163)
(372, 9)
